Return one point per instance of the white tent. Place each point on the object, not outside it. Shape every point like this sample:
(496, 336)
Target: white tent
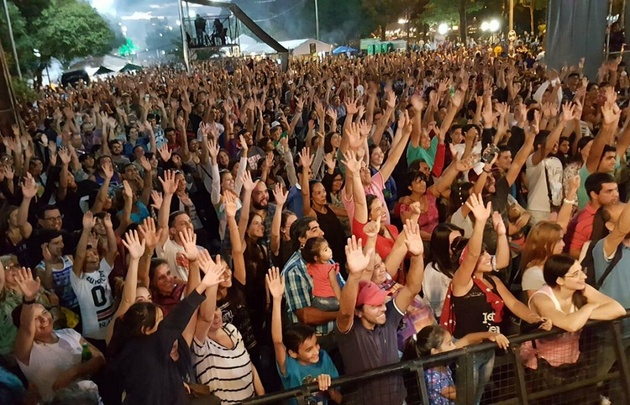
(296, 47)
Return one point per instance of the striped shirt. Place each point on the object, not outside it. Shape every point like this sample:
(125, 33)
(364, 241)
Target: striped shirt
(228, 372)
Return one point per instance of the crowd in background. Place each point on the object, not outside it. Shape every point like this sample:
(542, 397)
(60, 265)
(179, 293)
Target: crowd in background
(174, 238)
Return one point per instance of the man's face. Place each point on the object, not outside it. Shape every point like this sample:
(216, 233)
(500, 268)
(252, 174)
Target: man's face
(308, 351)
(52, 220)
(607, 165)
(181, 224)
(609, 194)
(314, 231)
(131, 173)
(55, 246)
(260, 196)
(505, 160)
(117, 149)
(374, 314)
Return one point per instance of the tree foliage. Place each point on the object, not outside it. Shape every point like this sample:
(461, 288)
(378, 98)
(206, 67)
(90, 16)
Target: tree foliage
(384, 12)
(71, 29)
(23, 41)
(439, 11)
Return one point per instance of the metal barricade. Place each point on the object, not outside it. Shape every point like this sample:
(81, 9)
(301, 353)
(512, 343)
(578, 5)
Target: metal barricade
(513, 380)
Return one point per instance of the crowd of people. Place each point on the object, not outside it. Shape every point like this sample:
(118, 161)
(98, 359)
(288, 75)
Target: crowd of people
(175, 238)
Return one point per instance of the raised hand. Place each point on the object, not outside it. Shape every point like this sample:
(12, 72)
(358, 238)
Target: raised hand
(413, 239)
(305, 158)
(29, 186)
(330, 162)
(498, 224)
(169, 182)
(230, 205)
(214, 269)
(189, 243)
(29, 286)
(481, 212)
(352, 162)
(213, 150)
(107, 221)
(357, 261)
(108, 170)
(145, 163)
(243, 144)
(133, 244)
(46, 255)
(165, 153)
(89, 221)
(280, 197)
(372, 228)
(275, 283)
(150, 235)
(156, 196)
(127, 191)
(248, 183)
(64, 155)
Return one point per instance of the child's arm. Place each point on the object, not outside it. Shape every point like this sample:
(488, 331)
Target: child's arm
(478, 337)
(324, 381)
(332, 277)
(275, 284)
(449, 392)
(258, 387)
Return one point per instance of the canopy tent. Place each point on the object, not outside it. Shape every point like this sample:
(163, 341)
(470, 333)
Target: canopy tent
(343, 49)
(297, 47)
(104, 65)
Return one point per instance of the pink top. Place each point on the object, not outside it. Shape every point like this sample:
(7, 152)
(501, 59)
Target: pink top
(321, 281)
(427, 220)
(376, 188)
(559, 350)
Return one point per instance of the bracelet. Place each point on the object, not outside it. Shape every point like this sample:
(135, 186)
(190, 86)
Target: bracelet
(28, 302)
(487, 171)
(572, 202)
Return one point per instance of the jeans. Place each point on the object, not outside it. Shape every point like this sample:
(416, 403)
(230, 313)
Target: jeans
(483, 363)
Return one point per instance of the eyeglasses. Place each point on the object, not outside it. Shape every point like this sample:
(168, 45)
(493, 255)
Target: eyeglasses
(54, 219)
(577, 274)
(12, 267)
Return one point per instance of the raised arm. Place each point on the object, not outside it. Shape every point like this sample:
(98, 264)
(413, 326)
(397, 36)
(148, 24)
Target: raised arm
(357, 263)
(238, 260)
(214, 274)
(89, 221)
(503, 247)
(150, 236)
(169, 186)
(248, 185)
(275, 285)
(305, 162)
(567, 115)
(397, 151)
(280, 198)
(136, 250)
(353, 182)
(622, 228)
(416, 272)
(112, 243)
(463, 276)
(523, 152)
(26, 332)
(29, 190)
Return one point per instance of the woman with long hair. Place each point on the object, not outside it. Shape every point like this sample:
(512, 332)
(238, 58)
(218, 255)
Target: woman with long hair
(569, 302)
(142, 344)
(445, 247)
(475, 300)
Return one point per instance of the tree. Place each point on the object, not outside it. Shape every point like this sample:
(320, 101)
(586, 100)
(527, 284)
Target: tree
(70, 29)
(23, 41)
(439, 11)
(384, 12)
(534, 5)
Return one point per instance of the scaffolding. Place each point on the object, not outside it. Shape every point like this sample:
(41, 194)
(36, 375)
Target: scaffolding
(219, 33)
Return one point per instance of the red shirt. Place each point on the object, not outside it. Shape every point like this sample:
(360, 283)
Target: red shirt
(582, 226)
(383, 245)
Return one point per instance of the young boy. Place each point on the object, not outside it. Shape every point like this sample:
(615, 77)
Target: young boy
(305, 362)
(90, 281)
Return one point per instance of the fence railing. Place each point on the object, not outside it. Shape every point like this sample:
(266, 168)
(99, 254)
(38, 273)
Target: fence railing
(513, 381)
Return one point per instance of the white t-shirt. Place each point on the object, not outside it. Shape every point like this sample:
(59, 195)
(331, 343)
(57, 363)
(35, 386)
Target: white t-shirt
(533, 279)
(465, 223)
(538, 195)
(228, 372)
(174, 255)
(48, 361)
(435, 285)
(95, 299)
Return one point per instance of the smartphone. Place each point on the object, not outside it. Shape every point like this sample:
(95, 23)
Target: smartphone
(489, 153)
(147, 97)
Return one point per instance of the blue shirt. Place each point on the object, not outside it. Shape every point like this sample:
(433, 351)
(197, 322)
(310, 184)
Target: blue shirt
(295, 202)
(617, 283)
(298, 374)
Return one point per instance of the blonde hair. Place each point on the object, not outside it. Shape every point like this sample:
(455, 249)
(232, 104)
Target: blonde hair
(540, 242)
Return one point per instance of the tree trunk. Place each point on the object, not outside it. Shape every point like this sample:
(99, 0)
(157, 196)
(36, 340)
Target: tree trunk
(531, 17)
(383, 32)
(462, 21)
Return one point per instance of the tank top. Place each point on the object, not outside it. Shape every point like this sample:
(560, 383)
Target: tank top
(474, 313)
(61, 283)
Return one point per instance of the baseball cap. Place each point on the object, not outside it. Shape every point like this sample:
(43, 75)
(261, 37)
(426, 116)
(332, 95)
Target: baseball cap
(275, 124)
(370, 294)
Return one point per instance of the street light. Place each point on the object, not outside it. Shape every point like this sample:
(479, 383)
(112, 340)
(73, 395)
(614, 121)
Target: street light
(317, 19)
(494, 25)
(442, 29)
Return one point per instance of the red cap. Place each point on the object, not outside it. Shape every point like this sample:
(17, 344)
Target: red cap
(370, 294)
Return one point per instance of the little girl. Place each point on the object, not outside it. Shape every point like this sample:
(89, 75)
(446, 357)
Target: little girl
(434, 339)
(326, 292)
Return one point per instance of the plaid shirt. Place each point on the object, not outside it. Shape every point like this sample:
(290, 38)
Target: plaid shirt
(299, 288)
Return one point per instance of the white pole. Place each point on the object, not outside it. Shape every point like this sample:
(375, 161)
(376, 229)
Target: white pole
(316, 19)
(15, 55)
(183, 32)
